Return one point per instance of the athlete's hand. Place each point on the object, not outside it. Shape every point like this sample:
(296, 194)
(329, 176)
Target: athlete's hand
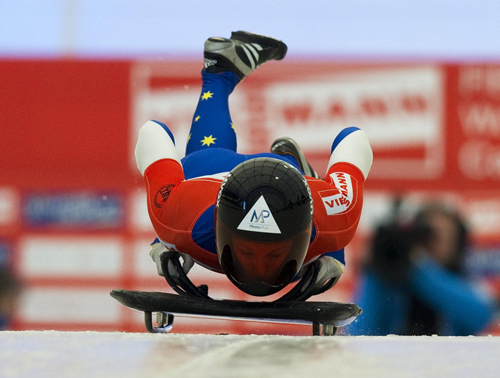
(156, 251)
(187, 264)
(330, 269)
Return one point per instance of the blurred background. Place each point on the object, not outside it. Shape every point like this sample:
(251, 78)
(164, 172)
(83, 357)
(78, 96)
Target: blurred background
(79, 77)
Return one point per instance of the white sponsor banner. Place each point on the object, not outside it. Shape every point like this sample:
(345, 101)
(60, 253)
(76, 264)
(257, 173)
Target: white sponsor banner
(144, 266)
(397, 108)
(484, 216)
(63, 257)
(139, 218)
(173, 105)
(479, 115)
(75, 305)
(9, 206)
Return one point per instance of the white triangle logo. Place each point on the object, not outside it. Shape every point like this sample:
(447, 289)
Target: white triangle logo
(260, 219)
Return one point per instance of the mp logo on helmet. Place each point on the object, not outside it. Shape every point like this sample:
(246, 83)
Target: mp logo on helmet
(260, 219)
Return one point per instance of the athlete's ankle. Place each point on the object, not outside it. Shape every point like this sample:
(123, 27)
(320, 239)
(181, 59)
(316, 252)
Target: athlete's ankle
(228, 79)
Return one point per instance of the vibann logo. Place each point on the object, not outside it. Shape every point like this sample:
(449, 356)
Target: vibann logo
(260, 219)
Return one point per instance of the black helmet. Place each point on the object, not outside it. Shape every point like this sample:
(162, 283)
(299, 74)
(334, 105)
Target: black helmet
(263, 225)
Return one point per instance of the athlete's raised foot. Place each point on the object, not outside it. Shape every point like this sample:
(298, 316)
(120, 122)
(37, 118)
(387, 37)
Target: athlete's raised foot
(242, 53)
(287, 146)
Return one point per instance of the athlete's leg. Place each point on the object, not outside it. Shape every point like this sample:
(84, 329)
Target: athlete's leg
(227, 62)
(211, 125)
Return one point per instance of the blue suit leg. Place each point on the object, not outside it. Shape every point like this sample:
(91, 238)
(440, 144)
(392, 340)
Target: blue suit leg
(212, 126)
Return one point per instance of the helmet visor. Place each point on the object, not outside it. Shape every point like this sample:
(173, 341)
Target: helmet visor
(260, 268)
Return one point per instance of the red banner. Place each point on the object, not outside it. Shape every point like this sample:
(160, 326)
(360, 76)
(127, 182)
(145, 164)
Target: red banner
(69, 186)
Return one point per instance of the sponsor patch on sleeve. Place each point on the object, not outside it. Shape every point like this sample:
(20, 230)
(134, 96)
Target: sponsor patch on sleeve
(339, 200)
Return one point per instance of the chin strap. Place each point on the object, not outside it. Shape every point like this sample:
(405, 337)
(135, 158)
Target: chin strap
(303, 290)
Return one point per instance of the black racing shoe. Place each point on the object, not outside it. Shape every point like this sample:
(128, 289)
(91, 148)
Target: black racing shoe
(287, 146)
(242, 53)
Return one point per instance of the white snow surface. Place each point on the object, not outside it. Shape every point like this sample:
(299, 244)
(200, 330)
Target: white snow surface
(106, 354)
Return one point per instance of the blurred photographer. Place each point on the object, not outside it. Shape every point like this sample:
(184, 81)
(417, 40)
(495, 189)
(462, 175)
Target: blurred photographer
(413, 282)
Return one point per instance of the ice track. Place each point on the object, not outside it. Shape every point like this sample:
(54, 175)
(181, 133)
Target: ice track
(100, 354)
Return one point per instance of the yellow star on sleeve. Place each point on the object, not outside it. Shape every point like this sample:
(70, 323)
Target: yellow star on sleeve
(232, 126)
(197, 118)
(189, 137)
(206, 95)
(208, 140)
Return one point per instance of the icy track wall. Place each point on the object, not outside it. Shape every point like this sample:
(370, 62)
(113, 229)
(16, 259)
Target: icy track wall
(100, 354)
(74, 224)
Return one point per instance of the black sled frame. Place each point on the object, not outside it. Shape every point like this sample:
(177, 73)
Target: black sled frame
(191, 300)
